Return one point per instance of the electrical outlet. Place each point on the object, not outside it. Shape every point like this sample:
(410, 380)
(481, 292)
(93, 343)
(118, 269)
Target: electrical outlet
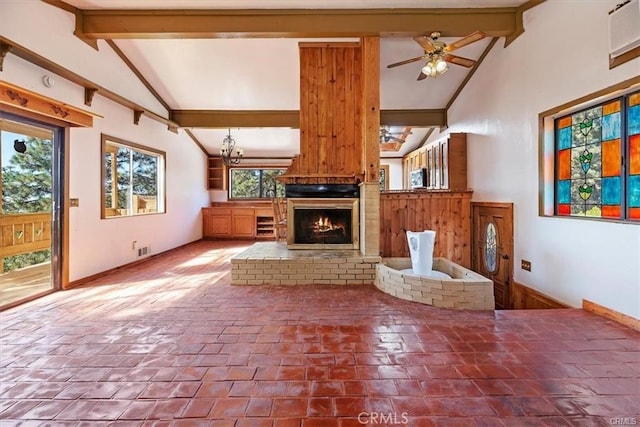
(525, 265)
(74, 203)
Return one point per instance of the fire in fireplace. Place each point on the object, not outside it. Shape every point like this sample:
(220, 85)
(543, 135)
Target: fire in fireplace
(323, 224)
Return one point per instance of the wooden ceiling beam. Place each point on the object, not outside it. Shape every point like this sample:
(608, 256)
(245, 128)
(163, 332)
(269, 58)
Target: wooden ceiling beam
(414, 118)
(236, 118)
(295, 23)
(291, 118)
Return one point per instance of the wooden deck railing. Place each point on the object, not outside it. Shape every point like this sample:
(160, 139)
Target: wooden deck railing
(23, 233)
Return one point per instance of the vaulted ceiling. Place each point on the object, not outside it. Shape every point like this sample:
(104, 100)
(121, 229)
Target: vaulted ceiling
(234, 63)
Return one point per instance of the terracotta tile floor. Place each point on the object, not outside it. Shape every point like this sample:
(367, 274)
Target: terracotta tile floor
(170, 342)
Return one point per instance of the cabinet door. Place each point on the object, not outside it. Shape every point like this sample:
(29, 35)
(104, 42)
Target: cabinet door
(430, 170)
(220, 225)
(243, 225)
(444, 164)
(406, 175)
(436, 167)
(216, 225)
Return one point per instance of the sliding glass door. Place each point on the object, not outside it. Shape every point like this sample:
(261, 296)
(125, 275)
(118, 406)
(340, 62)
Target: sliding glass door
(30, 223)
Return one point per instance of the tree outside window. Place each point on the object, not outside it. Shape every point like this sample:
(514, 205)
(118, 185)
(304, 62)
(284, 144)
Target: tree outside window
(133, 178)
(245, 183)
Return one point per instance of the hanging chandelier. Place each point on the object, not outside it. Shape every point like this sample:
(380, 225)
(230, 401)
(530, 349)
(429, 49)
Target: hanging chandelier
(227, 151)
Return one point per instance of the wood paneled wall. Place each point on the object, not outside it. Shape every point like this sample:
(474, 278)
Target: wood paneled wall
(448, 213)
(331, 93)
(525, 298)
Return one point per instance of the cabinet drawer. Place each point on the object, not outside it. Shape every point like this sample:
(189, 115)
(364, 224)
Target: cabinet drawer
(217, 211)
(243, 211)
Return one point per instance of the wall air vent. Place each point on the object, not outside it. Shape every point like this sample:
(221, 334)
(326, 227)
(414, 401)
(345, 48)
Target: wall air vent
(144, 251)
(624, 28)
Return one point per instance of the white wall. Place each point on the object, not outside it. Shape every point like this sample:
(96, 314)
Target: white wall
(562, 56)
(48, 31)
(395, 172)
(97, 245)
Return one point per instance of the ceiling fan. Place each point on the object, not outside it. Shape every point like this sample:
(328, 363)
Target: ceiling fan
(387, 136)
(438, 54)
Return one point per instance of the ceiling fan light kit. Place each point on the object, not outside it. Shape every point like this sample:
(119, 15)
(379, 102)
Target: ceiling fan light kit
(435, 67)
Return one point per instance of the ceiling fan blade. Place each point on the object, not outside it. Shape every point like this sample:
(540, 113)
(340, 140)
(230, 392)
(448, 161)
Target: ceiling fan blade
(421, 76)
(393, 138)
(426, 43)
(473, 37)
(407, 61)
(459, 60)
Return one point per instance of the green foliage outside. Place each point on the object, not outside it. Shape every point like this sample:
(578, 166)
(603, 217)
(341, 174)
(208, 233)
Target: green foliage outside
(27, 179)
(255, 183)
(26, 188)
(17, 262)
(133, 169)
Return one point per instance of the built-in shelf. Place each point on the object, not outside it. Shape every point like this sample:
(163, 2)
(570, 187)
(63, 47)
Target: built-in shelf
(264, 226)
(216, 174)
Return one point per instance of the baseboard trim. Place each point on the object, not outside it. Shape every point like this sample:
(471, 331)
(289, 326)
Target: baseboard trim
(526, 298)
(611, 314)
(93, 277)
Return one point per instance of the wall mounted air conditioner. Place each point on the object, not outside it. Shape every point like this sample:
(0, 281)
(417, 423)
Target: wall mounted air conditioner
(624, 28)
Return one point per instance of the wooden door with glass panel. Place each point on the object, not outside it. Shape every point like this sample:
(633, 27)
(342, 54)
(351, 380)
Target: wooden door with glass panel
(493, 247)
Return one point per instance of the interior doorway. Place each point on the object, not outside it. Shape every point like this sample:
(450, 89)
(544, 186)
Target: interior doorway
(30, 218)
(492, 248)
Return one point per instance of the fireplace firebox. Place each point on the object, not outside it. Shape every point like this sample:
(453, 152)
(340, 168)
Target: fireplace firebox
(322, 224)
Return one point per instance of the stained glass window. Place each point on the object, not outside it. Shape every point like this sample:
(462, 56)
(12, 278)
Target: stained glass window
(593, 149)
(490, 248)
(633, 179)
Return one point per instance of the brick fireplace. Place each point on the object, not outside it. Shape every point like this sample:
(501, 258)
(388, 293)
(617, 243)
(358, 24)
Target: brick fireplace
(339, 152)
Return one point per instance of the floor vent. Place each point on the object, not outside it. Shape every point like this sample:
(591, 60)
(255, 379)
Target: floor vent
(144, 251)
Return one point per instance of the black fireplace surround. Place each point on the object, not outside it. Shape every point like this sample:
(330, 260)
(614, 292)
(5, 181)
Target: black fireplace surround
(322, 191)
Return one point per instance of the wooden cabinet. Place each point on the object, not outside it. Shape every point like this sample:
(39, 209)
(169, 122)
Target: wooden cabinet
(216, 174)
(454, 161)
(445, 160)
(216, 222)
(243, 222)
(233, 222)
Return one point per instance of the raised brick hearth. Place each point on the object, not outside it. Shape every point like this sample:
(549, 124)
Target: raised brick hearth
(271, 263)
(465, 290)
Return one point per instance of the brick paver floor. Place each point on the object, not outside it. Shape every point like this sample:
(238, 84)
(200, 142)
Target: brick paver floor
(171, 342)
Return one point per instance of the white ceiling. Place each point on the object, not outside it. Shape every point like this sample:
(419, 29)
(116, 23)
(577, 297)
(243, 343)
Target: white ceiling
(263, 74)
